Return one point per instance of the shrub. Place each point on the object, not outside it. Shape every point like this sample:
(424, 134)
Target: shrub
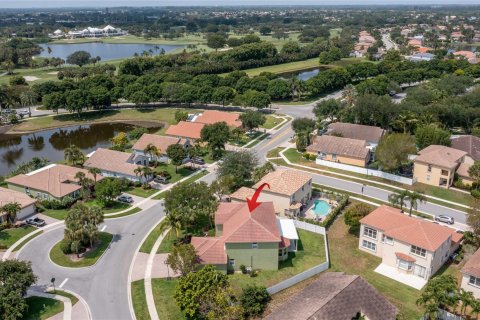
(137, 133)
(165, 174)
(475, 193)
(253, 273)
(254, 301)
(243, 269)
(460, 185)
(353, 214)
(66, 246)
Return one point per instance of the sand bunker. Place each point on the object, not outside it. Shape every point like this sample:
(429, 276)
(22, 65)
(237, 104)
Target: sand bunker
(31, 78)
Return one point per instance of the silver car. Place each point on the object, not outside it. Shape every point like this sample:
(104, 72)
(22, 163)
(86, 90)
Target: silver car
(445, 219)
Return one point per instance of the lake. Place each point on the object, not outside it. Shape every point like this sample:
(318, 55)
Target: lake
(106, 51)
(302, 74)
(15, 149)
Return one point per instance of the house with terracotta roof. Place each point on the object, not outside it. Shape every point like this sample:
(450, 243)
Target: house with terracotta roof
(289, 191)
(341, 150)
(253, 239)
(471, 275)
(411, 249)
(52, 182)
(117, 164)
(371, 134)
(436, 165)
(27, 203)
(415, 42)
(161, 143)
(468, 55)
(336, 295)
(232, 119)
(186, 130)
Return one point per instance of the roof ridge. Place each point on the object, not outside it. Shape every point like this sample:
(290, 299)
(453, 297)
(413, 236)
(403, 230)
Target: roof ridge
(261, 225)
(340, 291)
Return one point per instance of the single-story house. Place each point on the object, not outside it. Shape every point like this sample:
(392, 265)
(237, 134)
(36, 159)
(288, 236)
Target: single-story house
(253, 239)
(370, 134)
(468, 55)
(289, 190)
(117, 164)
(27, 203)
(161, 143)
(471, 275)
(336, 295)
(421, 56)
(342, 150)
(412, 249)
(436, 165)
(52, 182)
(232, 119)
(186, 130)
(415, 42)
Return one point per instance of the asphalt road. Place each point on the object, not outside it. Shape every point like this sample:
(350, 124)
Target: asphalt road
(104, 286)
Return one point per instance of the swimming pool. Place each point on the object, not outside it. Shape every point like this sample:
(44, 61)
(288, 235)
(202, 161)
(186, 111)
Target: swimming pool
(321, 208)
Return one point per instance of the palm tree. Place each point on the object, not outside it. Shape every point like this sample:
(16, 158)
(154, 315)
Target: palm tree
(414, 198)
(466, 298)
(138, 171)
(74, 155)
(146, 173)
(349, 94)
(9, 66)
(84, 182)
(406, 121)
(173, 223)
(94, 172)
(475, 307)
(398, 198)
(151, 150)
(11, 209)
(297, 87)
(27, 99)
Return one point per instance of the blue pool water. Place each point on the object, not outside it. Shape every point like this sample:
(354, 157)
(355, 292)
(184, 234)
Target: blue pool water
(321, 207)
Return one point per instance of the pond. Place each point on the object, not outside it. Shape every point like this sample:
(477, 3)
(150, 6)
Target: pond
(302, 74)
(15, 149)
(106, 51)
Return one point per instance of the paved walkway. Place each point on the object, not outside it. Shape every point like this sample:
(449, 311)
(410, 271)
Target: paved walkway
(67, 303)
(408, 279)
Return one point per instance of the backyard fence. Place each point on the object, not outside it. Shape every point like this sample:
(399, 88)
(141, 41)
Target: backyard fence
(310, 272)
(365, 171)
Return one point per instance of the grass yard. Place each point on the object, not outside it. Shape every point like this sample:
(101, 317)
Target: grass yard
(89, 259)
(272, 122)
(72, 298)
(139, 300)
(24, 242)
(345, 256)
(115, 206)
(40, 308)
(59, 214)
(12, 235)
(311, 252)
(168, 242)
(140, 192)
(181, 173)
(259, 139)
(124, 214)
(147, 245)
(163, 291)
(191, 179)
(161, 115)
(274, 153)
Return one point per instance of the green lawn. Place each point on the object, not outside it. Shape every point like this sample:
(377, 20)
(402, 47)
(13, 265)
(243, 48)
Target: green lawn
(114, 206)
(89, 259)
(72, 298)
(147, 245)
(59, 214)
(40, 308)
(12, 235)
(191, 179)
(274, 153)
(168, 242)
(272, 122)
(139, 300)
(163, 291)
(259, 139)
(24, 242)
(140, 192)
(311, 252)
(345, 256)
(285, 67)
(181, 173)
(160, 115)
(124, 214)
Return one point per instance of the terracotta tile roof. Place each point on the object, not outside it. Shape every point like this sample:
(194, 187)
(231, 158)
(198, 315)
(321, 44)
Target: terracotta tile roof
(472, 267)
(462, 170)
(186, 129)
(414, 42)
(352, 148)
(285, 242)
(468, 143)
(405, 257)
(111, 160)
(242, 194)
(161, 142)
(210, 250)
(466, 54)
(441, 156)
(245, 226)
(284, 181)
(55, 179)
(10, 196)
(356, 131)
(212, 116)
(456, 238)
(411, 230)
(333, 296)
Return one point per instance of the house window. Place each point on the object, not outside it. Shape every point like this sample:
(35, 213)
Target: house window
(428, 177)
(369, 232)
(254, 245)
(444, 173)
(418, 251)
(231, 262)
(369, 245)
(334, 157)
(27, 190)
(404, 265)
(474, 281)
(387, 240)
(429, 168)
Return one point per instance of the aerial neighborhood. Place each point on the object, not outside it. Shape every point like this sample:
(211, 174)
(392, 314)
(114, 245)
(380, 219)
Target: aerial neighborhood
(240, 162)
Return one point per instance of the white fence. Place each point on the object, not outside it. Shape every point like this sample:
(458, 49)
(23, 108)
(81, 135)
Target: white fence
(368, 172)
(310, 272)
(445, 315)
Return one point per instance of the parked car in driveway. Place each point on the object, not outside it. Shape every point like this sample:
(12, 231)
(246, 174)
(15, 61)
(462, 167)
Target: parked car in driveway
(125, 198)
(162, 180)
(36, 222)
(23, 112)
(445, 219)
(198, 160)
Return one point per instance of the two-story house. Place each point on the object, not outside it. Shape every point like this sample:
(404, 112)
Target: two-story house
(471, 275)
(52, 182)
(253, 239)
(436, 165)
(289, 191)
(161, 143)
(412, 249)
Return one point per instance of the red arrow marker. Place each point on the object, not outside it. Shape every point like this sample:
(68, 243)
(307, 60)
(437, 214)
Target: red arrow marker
(252, 203)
